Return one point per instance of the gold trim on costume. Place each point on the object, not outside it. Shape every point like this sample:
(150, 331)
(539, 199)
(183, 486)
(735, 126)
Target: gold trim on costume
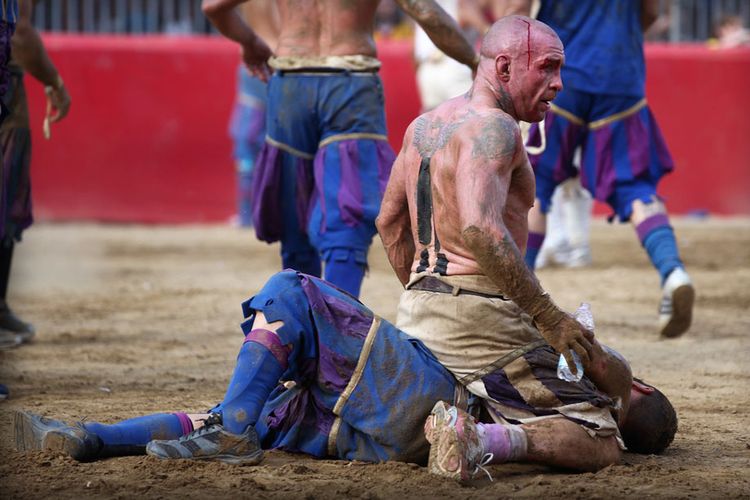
(356, 376)
(289, 149)
(353, 62)
(333, 435)
(358, 135)
(618, 116)
(566, 114)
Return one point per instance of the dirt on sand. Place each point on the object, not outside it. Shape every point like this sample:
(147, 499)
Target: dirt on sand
(134, 320)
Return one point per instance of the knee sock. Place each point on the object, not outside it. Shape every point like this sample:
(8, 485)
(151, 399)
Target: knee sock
(657, 237)
(6, 255)
(507, 443)
(261, 362)
(533, 244)
(131, 436)
(345, 268)
(304, 262)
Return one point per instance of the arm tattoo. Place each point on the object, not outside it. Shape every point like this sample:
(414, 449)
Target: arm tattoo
(496, 140)
(502, 262)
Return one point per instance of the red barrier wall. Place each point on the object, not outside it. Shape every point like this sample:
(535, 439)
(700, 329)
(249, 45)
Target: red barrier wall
(700, 98)
(146, 138)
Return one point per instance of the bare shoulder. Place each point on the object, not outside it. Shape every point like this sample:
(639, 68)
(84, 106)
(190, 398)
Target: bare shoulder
(494, 136)
(435, 130)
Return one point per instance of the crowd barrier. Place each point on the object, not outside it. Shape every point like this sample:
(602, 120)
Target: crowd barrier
(146, 139)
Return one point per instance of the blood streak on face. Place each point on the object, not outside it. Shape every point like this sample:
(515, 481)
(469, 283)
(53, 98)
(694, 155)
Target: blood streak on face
(537, 84)
(528, 44)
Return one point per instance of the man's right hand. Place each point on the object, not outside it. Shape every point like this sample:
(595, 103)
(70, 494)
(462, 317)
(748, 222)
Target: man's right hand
(255, 55)
(566, 335)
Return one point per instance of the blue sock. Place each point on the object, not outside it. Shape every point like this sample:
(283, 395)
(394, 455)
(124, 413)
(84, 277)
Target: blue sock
(131, 436)
(256, 374)
(345, 268)
(533, 244)
(304, 262)
(657, 237)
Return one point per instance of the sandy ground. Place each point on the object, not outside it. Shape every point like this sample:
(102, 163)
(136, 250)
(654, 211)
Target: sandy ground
(134, 320)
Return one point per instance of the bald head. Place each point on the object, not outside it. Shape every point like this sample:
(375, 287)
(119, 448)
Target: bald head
(520, 67)
(517, 36)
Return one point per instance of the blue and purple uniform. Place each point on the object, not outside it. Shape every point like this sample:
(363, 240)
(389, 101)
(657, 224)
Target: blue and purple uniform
(15, 137)
(8, 18)
(363, 388)
(322, 173)
(247, 128)
(602, 108)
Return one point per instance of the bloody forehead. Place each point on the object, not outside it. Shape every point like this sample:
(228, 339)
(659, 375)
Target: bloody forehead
(533, 38)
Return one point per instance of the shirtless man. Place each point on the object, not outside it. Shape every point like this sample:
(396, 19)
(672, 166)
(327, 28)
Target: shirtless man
(322, 171)
(454, 224)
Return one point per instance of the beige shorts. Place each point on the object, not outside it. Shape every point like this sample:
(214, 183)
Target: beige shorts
(493, 348)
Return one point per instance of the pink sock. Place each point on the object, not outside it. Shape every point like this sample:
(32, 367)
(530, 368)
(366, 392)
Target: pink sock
(507, 443)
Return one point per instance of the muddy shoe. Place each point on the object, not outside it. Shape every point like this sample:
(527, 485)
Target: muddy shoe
(34, 432)
(8, 340)
(9, 322)
(211, 442)
(456, 451)
(676, 308)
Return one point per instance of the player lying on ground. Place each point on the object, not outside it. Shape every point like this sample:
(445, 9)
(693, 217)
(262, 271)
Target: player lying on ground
(362, 392)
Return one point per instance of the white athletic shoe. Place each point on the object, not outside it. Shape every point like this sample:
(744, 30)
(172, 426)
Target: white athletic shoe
(676, 309)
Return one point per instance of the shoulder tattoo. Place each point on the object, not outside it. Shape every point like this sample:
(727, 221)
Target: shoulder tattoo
(496, 139)
(432, 135)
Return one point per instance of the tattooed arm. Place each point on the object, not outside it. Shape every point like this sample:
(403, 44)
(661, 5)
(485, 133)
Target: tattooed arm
(442, 30)
(393, 222)
(227, 19)
(483, 179)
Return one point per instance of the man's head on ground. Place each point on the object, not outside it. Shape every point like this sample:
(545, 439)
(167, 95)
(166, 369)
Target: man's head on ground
(651, 422)
(520, 65)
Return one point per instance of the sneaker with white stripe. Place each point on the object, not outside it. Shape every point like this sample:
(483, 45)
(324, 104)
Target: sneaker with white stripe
(676, 308)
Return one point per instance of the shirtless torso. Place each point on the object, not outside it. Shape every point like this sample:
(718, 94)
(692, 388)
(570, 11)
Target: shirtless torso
(316, 28)
(452, 138)
(461, 188)
(263, 17)
(326, 28)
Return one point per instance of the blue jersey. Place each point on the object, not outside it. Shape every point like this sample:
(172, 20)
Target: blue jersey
(9, 11)
(603, 44)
